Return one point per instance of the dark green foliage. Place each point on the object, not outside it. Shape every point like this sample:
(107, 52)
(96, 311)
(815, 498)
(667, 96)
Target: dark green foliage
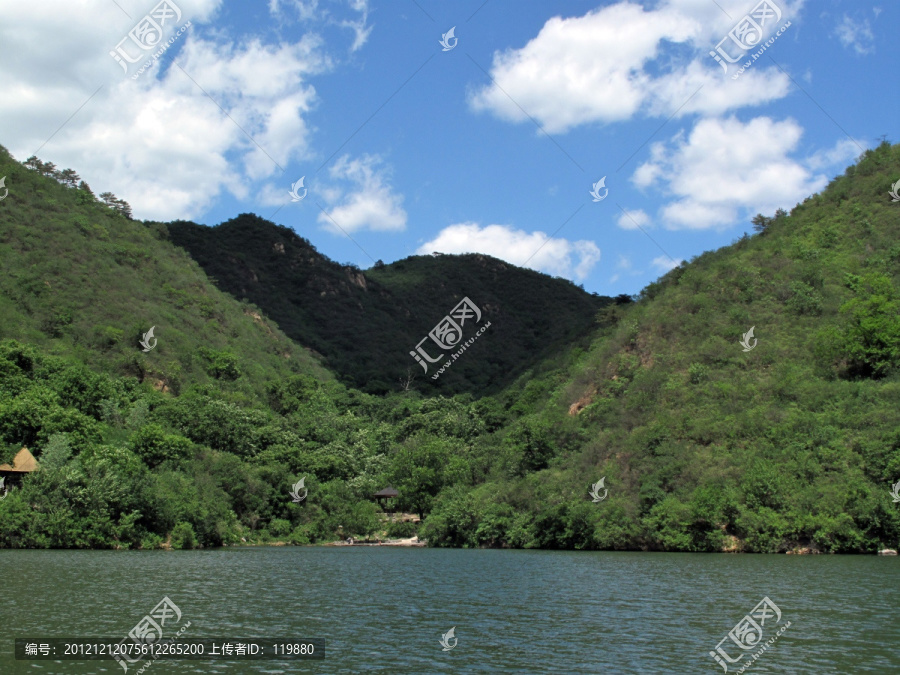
(532, 438)
(352, 317)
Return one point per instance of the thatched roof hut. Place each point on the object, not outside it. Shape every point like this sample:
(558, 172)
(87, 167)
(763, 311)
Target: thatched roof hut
(24, 462)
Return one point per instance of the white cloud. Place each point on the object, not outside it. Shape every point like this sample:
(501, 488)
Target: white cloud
(534, 250)
(632, 220)
(161, 142)
(843, 153)
(371, 203)
(856, 35)
(615, 62)
(359, 26)
(725, 167)
(310, 11)
(664, 263)
(306, 9)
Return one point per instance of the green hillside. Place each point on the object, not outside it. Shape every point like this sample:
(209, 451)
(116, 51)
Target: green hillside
(702, 446)
(365, 323)
(81, 281)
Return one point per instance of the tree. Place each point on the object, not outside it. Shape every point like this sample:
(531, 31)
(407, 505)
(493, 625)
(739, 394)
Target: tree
(532, 439)
(69, 178)
(85, 194)
(418, 473)
(154, 446)
(761, 223)
(873, 333)
(118, 205)
(34, 164)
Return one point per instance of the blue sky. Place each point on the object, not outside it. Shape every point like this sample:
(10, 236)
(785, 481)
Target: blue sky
(491, 146)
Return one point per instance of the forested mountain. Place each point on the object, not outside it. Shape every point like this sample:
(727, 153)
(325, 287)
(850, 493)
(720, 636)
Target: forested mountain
(82, 281)
(365, 323)
(702, 443)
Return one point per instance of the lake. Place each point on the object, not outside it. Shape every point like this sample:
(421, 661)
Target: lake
(380, 609)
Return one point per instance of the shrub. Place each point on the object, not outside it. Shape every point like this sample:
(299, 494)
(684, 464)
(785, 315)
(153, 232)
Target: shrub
(697, 372)
(401, 529)
(183, 536)
(804, 299)
(279, 527)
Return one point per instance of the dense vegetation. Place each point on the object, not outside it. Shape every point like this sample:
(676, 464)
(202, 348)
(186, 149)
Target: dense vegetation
(364, 323)
(82, 280)
(704, 447)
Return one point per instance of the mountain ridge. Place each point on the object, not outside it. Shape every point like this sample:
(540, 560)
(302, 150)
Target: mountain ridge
(365, 323)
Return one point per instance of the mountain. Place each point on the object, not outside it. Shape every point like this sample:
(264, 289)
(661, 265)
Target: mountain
(82, 281)
(704, 444)
(365, 323)
(706, 438)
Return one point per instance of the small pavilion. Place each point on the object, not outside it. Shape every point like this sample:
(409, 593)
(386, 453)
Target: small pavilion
(23, 464)
(384, 498)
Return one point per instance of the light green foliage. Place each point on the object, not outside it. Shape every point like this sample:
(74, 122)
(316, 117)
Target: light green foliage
(56, 453)
(183, 536)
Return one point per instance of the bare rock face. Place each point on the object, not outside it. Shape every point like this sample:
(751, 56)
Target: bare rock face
(887, 551)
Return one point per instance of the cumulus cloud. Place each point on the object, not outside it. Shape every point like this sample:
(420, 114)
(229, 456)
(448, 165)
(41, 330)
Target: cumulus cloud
(371, 201)
(632, 220)
(726, 166)
(170, 142)
(613, 63)
(535, 250)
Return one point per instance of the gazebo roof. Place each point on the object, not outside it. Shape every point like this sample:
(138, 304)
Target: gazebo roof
(387, 492)
(24, 462)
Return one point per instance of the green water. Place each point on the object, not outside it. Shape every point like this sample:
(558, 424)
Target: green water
(385, 609)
